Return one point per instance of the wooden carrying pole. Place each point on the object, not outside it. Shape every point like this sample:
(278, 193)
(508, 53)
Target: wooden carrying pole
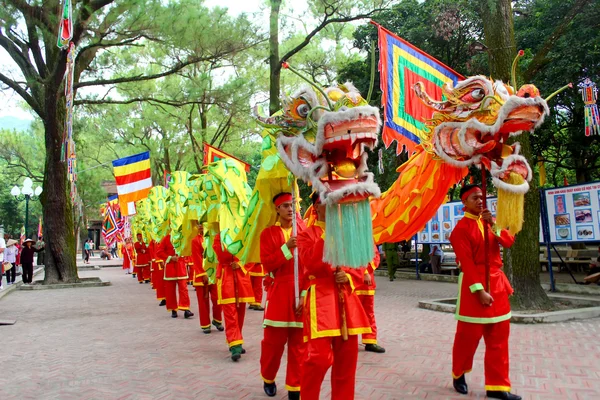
(294, 234)
(486, 238)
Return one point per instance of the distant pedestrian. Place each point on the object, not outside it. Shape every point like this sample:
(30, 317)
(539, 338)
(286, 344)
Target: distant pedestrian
(92, 246)
(10, 255)
(41, 246)
(27, 260)
(113, 250)
(2, 249)
(86, 252)
(436, 256)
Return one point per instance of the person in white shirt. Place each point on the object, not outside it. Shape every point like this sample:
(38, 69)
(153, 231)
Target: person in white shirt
(436, 255)
(10, 255)
(2, 249)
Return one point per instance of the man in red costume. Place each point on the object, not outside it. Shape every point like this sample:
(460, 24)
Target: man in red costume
(142, 259)
(483, 308)
(205, 291)
(175, 278)
(366, 293)
(234, 290)
(333, 317)
(257, 274)
(281, 322)
(157, 274)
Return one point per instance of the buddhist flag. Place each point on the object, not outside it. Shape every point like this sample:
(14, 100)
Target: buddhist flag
(212, 154)
(401, 65)
(133, 180)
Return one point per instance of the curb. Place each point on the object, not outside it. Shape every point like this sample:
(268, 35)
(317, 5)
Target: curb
(447, 305)
(18, 283)
(85, 283)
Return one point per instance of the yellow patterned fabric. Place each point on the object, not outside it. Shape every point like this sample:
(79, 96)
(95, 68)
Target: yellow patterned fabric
(158, 199)
(182, 231)
(141, 223)
(273, 178)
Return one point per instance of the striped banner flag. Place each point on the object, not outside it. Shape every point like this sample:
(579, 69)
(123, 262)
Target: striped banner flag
(401, 65)
(109, 224)
(133, 180)
(212, 154)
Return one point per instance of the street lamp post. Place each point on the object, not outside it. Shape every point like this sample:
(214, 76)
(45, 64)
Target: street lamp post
(26, 193)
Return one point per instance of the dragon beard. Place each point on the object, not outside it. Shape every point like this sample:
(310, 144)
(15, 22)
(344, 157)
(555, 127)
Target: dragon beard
(510, 212)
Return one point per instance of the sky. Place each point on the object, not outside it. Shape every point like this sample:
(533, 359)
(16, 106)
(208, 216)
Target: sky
(10, 103)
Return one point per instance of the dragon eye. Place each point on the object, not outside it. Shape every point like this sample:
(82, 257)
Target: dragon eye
(474, 96)
(302, 110)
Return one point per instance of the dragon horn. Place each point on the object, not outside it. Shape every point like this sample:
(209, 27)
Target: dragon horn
(419, 89)
(513, 71)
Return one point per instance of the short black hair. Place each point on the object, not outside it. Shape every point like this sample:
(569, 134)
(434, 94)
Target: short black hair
(315, 198)
(466, 188)
(279, 195)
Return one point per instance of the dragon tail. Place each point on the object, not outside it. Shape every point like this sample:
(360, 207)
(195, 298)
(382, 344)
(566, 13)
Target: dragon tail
(414, 198)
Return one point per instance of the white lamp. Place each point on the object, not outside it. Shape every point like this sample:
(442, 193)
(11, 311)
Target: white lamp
(15, 191)
(27, 191)
(38, 190)
(27, 183)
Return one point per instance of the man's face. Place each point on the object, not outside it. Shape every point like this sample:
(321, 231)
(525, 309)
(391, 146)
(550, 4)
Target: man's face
(139, 237)
(200, 229)
(285, 211)
(474, 202)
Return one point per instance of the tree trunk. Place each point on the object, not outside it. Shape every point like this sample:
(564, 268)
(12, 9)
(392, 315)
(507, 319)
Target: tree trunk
(274, 64)
(58, 211)
(498, 28)
(521, 262)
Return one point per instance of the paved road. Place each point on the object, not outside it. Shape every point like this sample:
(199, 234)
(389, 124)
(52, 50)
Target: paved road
(116, 343)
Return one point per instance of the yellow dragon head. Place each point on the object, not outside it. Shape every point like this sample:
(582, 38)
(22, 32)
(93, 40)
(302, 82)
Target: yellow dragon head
(472, 125)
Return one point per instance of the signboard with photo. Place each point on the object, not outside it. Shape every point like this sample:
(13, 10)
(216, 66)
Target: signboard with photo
(574, 213)
(440, 227)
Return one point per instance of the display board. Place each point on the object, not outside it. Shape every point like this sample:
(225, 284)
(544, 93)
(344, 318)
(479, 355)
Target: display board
(438, 229)
(573, 213)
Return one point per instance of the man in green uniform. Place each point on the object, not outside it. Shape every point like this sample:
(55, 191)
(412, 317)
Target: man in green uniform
(391, 258)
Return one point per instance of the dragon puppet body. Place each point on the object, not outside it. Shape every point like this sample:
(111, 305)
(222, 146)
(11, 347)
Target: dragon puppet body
(323, 135)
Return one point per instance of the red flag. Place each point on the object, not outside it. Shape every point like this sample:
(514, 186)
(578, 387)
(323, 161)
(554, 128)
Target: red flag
(212, 154)
(401, 65)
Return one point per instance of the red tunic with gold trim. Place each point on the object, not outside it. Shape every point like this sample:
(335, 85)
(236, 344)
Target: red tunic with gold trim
(278, 260)
(198, 260)
(366, 294)
(474, 319)
(226, 284)
(143, 256)
(468, 244)
(173, 270)
(322, 317)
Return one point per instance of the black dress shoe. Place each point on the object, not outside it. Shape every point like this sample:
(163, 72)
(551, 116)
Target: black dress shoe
(270, 389)
(188, 314)
(243, 350)
(374, 348)
(460, 385)
(162, 303)
(293, 395)
(173, 314)
(496, 394)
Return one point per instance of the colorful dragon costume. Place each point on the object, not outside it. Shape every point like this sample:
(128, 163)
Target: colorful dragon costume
(324, 135)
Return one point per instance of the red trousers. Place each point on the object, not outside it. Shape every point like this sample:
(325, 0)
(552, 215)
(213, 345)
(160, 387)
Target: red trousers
(234, 322)
(204, 300)
(495, 336)
(171, 289)
(368, 303)
(143, 273)
(257, 288)
(159, 283)
(335, 352)
(272, 347)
